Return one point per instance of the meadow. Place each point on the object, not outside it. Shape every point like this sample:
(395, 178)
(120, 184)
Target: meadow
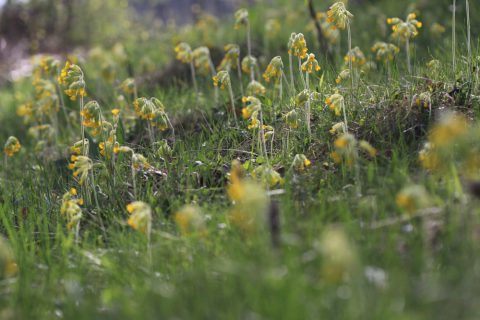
(290, 160)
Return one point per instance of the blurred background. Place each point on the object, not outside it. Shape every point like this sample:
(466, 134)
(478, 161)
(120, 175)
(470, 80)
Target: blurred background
(148, 29)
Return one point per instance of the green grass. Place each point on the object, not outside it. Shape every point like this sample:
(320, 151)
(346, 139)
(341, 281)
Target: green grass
(394, 265)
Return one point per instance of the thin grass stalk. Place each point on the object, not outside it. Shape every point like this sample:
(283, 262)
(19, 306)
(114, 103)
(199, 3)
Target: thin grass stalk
(232, 101)
(454, 37)
(194, 81)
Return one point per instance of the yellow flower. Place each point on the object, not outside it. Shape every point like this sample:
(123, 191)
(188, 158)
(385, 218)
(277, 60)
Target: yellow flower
(202, 61)
(300, 163)
(248, 64)
(255, 88)
(231, 58)
(12, 146)
(128, 86)
(222, 79)
(372, 152)
(267, 176)
(184, 52)
(385, 51)
(336, 103)
(274, 69)
(291, 118)
(404, 30)
(450, 127)
(80, 166)
(140, 217)
(71, 77)
(70, 208)
(356, 56)
(8, 266)
(339, 15)
(311, 64)
(241, 18)
(115, 112)
(412, 198)
(190, 219)
(297, 45)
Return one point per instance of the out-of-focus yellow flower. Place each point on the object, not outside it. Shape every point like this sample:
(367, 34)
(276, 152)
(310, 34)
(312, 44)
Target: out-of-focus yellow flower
(241, 18)
(368, 148)
(338, 128)
(70, 208)
(267, 176)
(128, 86)
(274, 69)
(297, 46)
(255, 88)
(335, 103)
(140, 217)
(311, 64)
(139, 162)
(230, 60)
(339, 15)
(252, 105)
(300, 163)
(190, 220)
(405, 30)
(339, 257)
(329, 29)
(412, 198)
(12, 146)
(222, 79)
(342, 76)
(8, 266)
(448, 128)
(356, 56)
(202, 60)
(385, 51)
(184, 52)
(249, 201)
(345, 148)
(424, 100)
(292, 119)
(437, 29)
(248, 64)
(272, 27)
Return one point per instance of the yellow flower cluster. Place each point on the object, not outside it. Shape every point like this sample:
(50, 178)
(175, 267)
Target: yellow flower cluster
(12, 146)
(356, 56)
(221, 79)
(385, 51)
(274, 69)
(255, 88)
(190, 220)
(311, 64)
(412, 198)
(140, 217)
(336, 103)
(405, 30)
(297, 45)
(241, 18)
(184, 52)
(70, 208)
(231, 58)
(71, 77)
(80, 165)
(339, 15)
(300, 163)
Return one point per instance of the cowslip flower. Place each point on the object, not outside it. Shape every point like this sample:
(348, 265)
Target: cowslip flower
(368, 148)
(345, 148)
(356, 56)
(292, 119)
(140, 217)
(311, 64)
(190, 220)
(71, 77)
(335, 103)
(300, 163)
(252, 105)
(248, 64)
(297, 45)
(230, 60)
(241, 18)
(70, 208)
(184, 52)
(80, 165)
(139, 162)
(385, 51)
(255, 88)
(338, 15)
(8, 266)
(412, 198)
(201, 60)
(343, 76)
(12, 146)
(221, 79)
(128, 86)
(267, 176)
(405, 30)
(274, 69)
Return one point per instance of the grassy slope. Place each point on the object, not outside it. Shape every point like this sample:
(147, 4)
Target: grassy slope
(430, 263)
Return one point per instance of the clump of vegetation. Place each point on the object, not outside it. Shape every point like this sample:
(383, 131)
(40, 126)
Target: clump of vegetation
(191, 176)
